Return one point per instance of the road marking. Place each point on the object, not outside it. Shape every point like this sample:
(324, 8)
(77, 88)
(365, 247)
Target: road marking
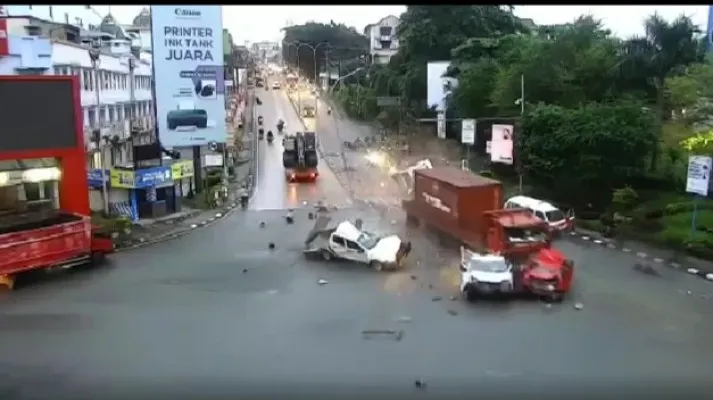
(625, 250)
(641, 255)
(598, 241)
(585, 237)
(658, 260)
(675, 265)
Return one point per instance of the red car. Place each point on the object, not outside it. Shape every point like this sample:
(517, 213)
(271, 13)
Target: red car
(548, 273)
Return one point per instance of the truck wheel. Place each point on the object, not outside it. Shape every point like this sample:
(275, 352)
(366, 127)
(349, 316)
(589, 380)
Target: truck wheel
(377, 266)
(97, 259)
(326, 255)
(470, 295)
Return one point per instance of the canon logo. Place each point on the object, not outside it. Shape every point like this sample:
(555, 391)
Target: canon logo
(184, 12)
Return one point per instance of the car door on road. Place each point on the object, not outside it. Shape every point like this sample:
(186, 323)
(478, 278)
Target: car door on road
(356, 252)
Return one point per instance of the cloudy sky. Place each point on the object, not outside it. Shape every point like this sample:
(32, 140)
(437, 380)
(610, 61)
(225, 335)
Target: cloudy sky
(256, 23)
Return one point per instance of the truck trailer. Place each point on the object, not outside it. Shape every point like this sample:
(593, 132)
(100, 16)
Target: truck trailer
(300, 157)
(44, 196)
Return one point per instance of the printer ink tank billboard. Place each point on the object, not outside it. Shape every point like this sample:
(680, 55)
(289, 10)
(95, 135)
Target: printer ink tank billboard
(187, 44)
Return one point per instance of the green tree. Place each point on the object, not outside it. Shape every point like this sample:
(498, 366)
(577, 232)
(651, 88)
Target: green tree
(581, 153)
(341, 41)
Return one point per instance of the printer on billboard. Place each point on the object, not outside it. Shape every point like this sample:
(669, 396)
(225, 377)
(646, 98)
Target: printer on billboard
(186, 115)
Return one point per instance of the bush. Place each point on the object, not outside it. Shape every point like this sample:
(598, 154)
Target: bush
(624, 199)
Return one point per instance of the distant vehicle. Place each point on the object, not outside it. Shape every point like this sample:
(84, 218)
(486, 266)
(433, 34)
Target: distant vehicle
(276, 85)
(308, 112)
(348, 241)
(555, 218)
(299, 157)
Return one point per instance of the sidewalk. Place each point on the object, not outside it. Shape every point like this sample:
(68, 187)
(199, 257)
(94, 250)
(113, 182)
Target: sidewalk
(161, 229)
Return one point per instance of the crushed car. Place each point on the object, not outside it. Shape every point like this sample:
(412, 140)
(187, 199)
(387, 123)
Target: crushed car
(485, 275)
(347, 241)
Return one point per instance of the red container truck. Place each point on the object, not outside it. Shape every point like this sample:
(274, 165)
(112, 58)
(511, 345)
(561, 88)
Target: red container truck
(467, 207)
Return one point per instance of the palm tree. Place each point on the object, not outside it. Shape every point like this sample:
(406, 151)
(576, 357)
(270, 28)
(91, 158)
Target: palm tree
(664, 50)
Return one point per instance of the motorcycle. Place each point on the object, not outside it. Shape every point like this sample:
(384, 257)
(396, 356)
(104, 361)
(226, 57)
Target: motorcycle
(244, 201)
(280, 126)
(270, 137)
(329, 111)
(258, 101)
(260, 134)
(259, 120)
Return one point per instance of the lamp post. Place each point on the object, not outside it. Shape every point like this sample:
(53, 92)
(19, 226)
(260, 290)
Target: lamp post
(297, 46)
(95, 58)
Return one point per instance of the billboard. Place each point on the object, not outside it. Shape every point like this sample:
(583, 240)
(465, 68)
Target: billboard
(501, 144)
(187, 43)
(437, 89)
(52, 124)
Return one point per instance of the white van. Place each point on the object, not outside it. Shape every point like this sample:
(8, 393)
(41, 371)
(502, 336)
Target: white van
(557, 220)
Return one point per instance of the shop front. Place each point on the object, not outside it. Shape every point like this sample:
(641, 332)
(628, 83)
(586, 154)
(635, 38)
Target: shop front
(144, 193)
(182, 173)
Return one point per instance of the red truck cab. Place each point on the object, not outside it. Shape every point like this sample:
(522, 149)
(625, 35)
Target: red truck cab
(44, 196)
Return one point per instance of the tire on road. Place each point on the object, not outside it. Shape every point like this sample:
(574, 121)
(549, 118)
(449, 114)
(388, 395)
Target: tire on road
(376, 266)
(326, 255)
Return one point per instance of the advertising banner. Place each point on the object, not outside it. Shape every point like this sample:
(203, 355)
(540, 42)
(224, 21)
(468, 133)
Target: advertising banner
(188, 74)
(501, 144)
(141, 178)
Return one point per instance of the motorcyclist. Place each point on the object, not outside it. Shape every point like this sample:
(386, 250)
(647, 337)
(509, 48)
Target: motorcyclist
(280, 125)
(260, 133)
(270, 136)
(329, 111)
(243, 196)
(259, 120)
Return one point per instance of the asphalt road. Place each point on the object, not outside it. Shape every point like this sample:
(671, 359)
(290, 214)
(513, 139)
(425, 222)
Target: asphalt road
(272, 191)
(217, 312)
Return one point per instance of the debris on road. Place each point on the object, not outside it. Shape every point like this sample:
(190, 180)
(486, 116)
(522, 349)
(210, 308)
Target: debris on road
(262, 224)
(322, 282)
(245, 270)
(436, 298)
(414, 277)
(310, 215)
(578, 306)
(646, 269)
(405, 319)
(420, 383)
(290, 217)
(271, 246)
(395, 335)
(454, 298)
(453, 312)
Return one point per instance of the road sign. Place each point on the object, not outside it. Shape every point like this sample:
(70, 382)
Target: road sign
(467, 131)
(388, 101)
(699, 175)
(441, 120)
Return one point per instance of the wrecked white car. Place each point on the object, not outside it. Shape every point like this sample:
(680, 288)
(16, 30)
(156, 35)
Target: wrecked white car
(349, 242)
(484, 275)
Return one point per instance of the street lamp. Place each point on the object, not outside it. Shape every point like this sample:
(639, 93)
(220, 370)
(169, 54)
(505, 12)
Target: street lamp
(95, 58)
(297, 46)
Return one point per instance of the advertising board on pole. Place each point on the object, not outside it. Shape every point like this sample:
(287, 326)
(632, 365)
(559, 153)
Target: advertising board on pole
(467, 131)
(699, 175)
(187, 44)
(501, 144)
(441, 122)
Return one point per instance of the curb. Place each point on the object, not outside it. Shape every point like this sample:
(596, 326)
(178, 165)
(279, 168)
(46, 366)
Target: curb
(613, 245)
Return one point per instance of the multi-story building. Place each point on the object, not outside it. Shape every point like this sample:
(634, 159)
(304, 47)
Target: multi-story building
(35, 45)
(383, 42)
(140, 30)
(266, 51)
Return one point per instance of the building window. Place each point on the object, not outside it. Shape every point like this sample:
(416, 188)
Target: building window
(85, 79)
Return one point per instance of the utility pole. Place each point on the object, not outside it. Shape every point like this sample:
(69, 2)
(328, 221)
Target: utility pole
(95, 58)
(132, 101)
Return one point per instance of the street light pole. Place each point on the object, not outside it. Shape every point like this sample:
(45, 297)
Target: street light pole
(95, 58)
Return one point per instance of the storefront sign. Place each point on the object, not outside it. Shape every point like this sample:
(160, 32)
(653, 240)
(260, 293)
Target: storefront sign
(120, 179)
(152, 177)
(95, 178)
(182, 169)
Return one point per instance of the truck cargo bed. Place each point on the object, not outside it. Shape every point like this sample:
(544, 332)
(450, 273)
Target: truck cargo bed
(10, 223)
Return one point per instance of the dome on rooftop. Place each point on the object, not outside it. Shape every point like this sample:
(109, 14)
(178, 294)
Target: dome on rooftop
(110, 26)
(143, 19)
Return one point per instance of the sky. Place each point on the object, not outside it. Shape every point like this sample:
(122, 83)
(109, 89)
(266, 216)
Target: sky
(263, 23)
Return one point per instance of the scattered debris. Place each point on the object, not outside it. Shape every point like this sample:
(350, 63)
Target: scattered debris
(290, 217)
(430, 286)
(405, 319)
(414, 277)
(578, 306)
(646, 269)
(142, 240)
(454, 298)
(322, 282)
(262, 224)
(420, 383)
(359, 223)
(194, 226)
(391, 334)
(453, 312)
(436, 298)
(245, 270)
(218, 215)
(203, 222)
(271, 246)
(310, 215)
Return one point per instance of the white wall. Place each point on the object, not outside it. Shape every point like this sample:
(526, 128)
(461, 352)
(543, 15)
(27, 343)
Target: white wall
(380, 54)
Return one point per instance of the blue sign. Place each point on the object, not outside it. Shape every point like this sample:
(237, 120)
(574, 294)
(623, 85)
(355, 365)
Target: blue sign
(94, 177)
(187, 43)
(152, 177)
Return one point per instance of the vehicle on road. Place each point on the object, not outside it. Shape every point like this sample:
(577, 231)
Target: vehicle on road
(547, 274)
(348, 241)
(299, 157)
(466, 207)
(280, 125)
(308, 112)
(260, 133)
(259, 81)
(259, 119)
(276, 85)
(557, 220)
(270, 137)
(485, 275)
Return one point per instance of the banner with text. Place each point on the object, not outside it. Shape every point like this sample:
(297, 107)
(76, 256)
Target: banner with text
(501, 144)
(188, 74)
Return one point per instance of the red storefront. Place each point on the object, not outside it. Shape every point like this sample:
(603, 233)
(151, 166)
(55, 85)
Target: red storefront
(42, 144)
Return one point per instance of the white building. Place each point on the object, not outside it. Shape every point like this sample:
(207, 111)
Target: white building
(383, 42)
(31, 51)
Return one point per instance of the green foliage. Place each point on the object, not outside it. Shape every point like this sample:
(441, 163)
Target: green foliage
(584, 151)
(624, 199)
